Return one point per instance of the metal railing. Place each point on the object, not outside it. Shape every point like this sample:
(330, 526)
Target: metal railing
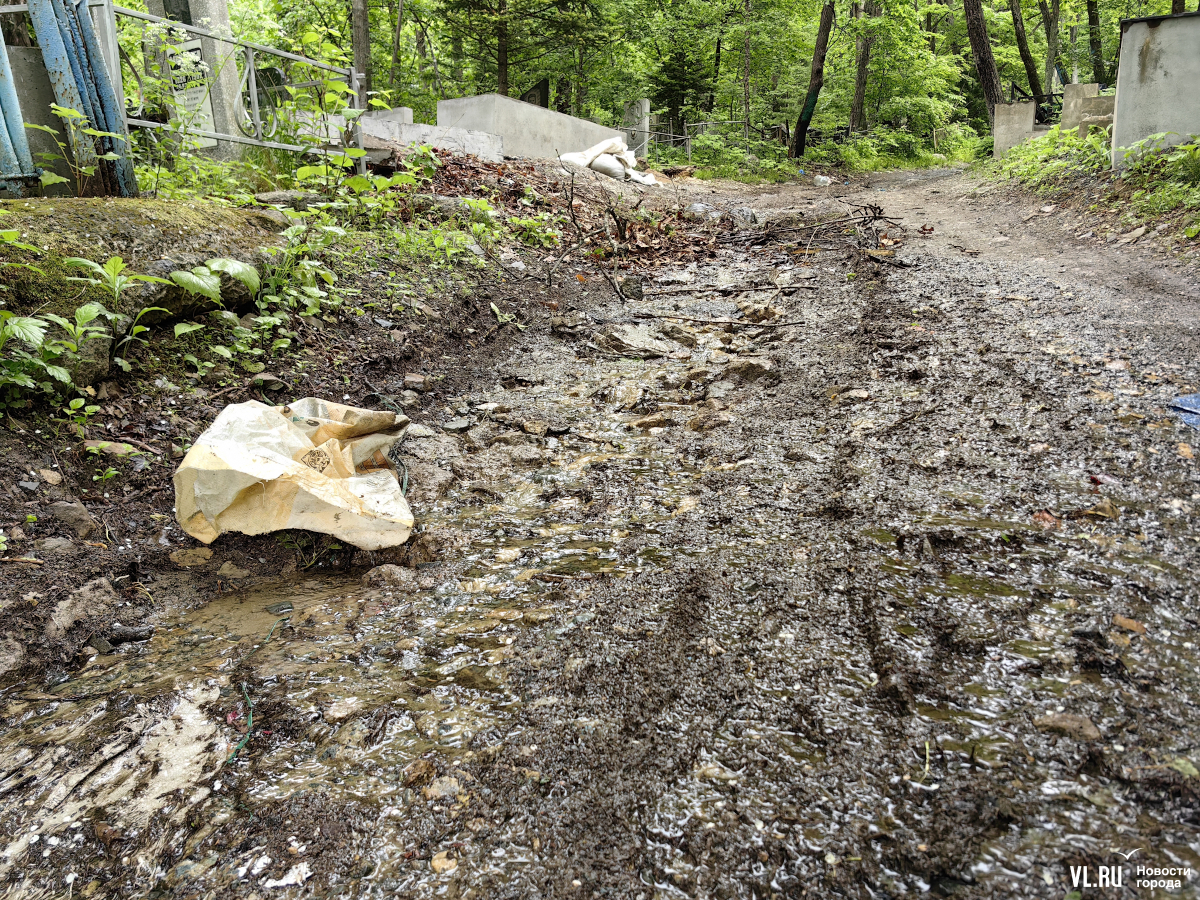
(255, 94)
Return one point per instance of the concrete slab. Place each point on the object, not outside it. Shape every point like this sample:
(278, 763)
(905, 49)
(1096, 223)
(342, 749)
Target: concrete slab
(401, 115)
(1073, 95)
(1013, 125)
(35, 96)
(488, 147)
(527, 131)
(1156, 81)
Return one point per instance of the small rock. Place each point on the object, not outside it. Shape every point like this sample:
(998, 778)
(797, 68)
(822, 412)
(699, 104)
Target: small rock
(744, 215)
(191, 556)
(12, 655)
(680, 334)
(413, 382)
(536, 427)
(708, 420)
(800, 454)
(298, 200)
(700, 212)
(229, 570)
(118, 449)
(457, 426)
(419, 771)
(391, 576)
(443, 862)
(631, 286)
(50, 476)
(55, 546)
(416, 432)
(1079, 727)
(95, 598)
(100, 644)
(719, 390)
(409, 399)
(654, 420)
(444, 788)
(480, 436)
(749, 368)
(341, 709)
(30, 486)
(75, 516)
(17, 534)
(630, 340)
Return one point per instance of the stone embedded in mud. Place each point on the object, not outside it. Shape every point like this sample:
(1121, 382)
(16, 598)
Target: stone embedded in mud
(75, 516)
(297, 200)
(680, 334)
(229, 570)
(55, 547)
(443, 862)
(92, 361)
(444, 788)
(654, 420)
(342, 709)
(457, 426)
(427, 482)
(415, 382)
(191, 556)
(708, 420)
(419, 771)
(632, 286)
(95, 598)
(749, 368)
(480, 436)
(391, 576)
(12, 655)
(719, 390)
(630, 340)
(536, 427)
(1081, 728)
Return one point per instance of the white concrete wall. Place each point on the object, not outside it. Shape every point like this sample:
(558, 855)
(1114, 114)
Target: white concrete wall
(1158, 81)
(528, 131)
(1013, 124)
(488, 147)
(1073, 95)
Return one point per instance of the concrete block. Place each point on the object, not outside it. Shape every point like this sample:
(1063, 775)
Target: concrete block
(35, 96)
(527, 131)
(1073, 94)
(488, 147)
(1013, 125)
(1158, 73)
(401, 115)
(1097, 106)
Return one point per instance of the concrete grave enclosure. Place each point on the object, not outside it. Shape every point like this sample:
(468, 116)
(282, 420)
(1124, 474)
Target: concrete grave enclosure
(1158, 81)
(526, 130)
(1014, 123)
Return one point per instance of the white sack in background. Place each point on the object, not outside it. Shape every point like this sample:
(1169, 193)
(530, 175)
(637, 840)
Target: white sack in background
(612, 158)
(314, 465)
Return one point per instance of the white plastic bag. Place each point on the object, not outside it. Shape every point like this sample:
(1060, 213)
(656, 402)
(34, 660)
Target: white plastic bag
(607, 164)
(584, 157)
(314, 465)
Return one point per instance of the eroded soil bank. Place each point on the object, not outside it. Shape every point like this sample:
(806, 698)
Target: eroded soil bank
(891, 593)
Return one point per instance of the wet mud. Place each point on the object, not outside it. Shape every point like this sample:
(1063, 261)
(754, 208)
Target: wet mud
(897, 600)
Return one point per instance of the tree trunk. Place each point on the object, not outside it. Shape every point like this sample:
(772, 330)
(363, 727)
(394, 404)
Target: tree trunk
(502, 48)
(1177, 7)
(746, 78)
(712, 95)
(16, 30)
(360, 40)
(815, 81)
(396, 42)
(1031, 71)
(1098, 74)
(981, 50)
(1050, 19)
(858, 114)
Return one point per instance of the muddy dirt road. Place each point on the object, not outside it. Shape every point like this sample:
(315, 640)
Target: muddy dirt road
(896, 599)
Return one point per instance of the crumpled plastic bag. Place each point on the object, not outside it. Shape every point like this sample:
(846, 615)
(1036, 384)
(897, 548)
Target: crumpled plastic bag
(314, 465)
(612, 158)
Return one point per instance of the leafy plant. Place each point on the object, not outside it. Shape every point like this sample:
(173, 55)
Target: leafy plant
(27, 360)
(542, 230)
(81, 151)
(111, 276)
(108, 473)
(78, 411)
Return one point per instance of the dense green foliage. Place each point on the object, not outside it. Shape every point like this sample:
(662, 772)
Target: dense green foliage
(745, 63)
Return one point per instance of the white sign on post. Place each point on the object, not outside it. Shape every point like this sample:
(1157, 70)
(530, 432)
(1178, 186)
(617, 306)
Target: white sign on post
(191, 83)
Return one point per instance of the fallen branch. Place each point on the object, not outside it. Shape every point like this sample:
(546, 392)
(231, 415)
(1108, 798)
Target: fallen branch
(22, 559)
(647, 315)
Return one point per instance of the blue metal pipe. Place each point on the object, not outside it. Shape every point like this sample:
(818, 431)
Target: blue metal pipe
(68, 30)
(58, 67)
(14, 122)
(114, 116)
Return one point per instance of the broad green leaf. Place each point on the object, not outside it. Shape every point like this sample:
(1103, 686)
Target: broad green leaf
(237, 270)
(48, 178)
(221, 351)
(28, 329)
(58, 372)
(87, 313)
(358, 183)
(199, 281)
(182, 328)
(125, 367)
